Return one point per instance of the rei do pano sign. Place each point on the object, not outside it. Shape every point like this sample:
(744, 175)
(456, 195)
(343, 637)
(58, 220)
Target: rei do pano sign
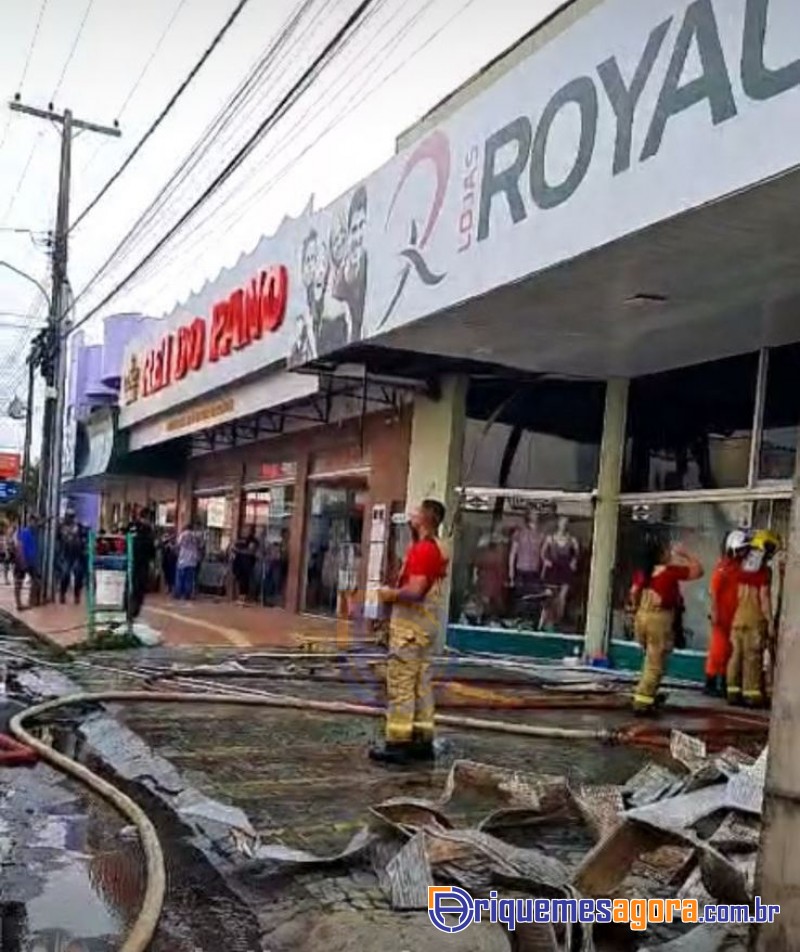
(637, 112)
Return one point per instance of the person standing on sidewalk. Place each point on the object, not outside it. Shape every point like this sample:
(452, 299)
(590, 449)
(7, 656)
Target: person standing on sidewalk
(415, 621)
(144, 553)
(189, 554)
(657, 596)
(26, 563)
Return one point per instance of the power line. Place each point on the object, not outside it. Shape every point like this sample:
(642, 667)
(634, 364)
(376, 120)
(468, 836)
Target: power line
(146, 68)
(297, 88)
(356, 100)
(75, 43)
(166, 110)
(29, 57)
(149, 219)
(13, 200)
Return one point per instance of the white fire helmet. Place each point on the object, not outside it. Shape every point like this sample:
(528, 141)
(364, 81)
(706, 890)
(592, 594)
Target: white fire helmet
(737, 541)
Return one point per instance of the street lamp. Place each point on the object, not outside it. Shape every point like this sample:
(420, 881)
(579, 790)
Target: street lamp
(29, 278)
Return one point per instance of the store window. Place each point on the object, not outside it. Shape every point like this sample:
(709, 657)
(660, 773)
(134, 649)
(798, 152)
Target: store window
(522, 565)
(533, 435)
(213, 515)
(334, 547)
(781, 414)
(267, 515)
(166, 514)
(692, 428)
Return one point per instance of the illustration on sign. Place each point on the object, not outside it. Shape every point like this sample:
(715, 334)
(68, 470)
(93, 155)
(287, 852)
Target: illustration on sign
(333, 271)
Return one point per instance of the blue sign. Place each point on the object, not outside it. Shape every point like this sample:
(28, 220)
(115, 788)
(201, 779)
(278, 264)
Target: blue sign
(8, 490)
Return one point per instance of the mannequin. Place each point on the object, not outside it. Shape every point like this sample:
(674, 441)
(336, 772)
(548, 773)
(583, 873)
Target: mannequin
(490, 575)
(525, 557)
(560, 554)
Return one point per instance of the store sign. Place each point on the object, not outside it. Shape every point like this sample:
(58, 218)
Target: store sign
(635, 113)
(10, 466)
(9, 491)
(275, 471)
(235, 323)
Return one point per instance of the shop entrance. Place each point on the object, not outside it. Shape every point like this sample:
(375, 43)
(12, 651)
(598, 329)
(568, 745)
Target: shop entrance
(333, 554)
(266, 517)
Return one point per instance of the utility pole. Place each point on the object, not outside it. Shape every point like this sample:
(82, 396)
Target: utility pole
(55, 365)
(778, 871)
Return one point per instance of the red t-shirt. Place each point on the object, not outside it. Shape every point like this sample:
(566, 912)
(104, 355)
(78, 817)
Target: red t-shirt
(760, 579)
(424, 558)
(665, 584)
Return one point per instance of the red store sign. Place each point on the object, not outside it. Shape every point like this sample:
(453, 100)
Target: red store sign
(244, 317)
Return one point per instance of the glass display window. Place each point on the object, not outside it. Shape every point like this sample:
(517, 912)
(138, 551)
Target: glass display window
(701, 527)
(214, 516)
(522, 564)
(267, 516)
(335, 532)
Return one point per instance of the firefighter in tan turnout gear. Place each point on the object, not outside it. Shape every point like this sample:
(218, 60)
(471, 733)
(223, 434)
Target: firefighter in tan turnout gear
(656, 596)
(753, 627)
(414, 625)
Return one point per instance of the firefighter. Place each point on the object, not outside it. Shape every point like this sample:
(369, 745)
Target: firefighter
(753, 626)
(724, 592)
(656, 593)
(413, 626)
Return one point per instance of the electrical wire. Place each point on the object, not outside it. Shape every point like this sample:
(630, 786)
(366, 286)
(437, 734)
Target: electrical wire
(146, 68)
(232, 18)
(75, 43)
(241, 99)
(31, 48)
(196, 237)
(308, 76)
(15, 194)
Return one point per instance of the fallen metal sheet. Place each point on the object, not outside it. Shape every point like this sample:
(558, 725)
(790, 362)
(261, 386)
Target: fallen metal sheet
(687, 750)
(409, 875)
(514, 788)
(746, 788)
(517, 818)
(454, 847)
(600, 807)
(649, 785)
(191, 806)
(409, 816)
(731, 760)
(666, 865)
(703, 938)
(679, 813)
(736, 835)
(695, 888)
(726, 880)
(273, 858)
(605, 867)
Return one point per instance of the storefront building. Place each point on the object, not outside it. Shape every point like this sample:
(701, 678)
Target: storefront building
(569, 307)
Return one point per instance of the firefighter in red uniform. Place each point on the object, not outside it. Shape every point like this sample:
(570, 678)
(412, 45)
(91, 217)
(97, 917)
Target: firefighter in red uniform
(724, 595)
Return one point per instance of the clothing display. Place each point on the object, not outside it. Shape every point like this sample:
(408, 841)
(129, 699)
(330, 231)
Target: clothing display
(526, 551)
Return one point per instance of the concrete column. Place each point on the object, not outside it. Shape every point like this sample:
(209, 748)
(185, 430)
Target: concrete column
(778, 874)
(606, 518)
(434, 465)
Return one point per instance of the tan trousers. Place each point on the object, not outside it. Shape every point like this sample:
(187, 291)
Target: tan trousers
(654, 632)
(409, 688)
(744, 668)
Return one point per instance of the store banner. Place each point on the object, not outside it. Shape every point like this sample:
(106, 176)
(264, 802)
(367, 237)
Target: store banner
(10, 466)
(635, 113)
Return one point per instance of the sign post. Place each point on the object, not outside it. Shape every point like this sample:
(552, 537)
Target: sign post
(110, 577)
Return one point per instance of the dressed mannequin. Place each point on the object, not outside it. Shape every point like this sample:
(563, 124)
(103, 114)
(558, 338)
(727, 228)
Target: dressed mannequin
(490, 576)
(560, 554)
(525, 557)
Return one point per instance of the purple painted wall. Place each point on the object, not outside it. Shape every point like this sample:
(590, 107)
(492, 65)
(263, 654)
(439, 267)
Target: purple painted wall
(118, 330)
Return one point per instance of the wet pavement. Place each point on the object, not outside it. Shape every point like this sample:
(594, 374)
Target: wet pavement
(302, 779)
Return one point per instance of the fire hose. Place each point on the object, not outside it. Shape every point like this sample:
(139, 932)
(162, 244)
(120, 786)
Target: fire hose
(144, 927)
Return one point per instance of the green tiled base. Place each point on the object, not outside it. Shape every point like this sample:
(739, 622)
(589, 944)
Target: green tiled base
(686, 665)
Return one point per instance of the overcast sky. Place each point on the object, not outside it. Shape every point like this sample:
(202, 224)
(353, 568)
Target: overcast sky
(109, 59)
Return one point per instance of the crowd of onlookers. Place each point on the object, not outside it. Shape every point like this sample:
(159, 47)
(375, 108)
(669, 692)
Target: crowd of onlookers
(251, 569)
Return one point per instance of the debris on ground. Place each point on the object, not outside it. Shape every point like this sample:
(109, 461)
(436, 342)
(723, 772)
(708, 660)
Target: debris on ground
(689, 831)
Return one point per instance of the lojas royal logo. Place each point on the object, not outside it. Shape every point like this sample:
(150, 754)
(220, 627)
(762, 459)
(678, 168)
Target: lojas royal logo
(132, 381)
(433, 153)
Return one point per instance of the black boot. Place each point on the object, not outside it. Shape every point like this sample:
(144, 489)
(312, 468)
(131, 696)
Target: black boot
(422, 749)
(712, 686)
(722, 686)
(392, 754)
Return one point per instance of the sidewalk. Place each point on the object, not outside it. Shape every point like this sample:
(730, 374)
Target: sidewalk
(206, 622)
